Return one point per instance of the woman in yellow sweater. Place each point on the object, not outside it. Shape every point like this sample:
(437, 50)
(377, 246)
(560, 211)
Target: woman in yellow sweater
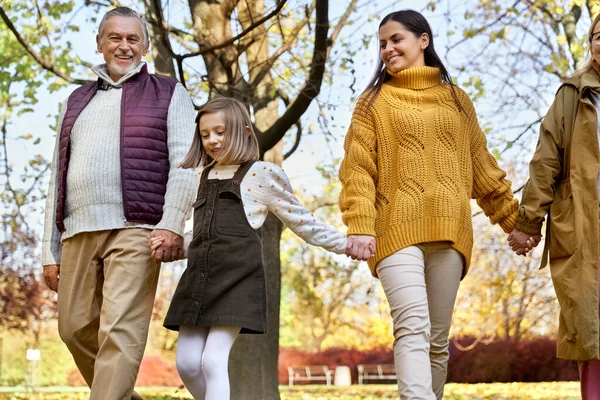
(414, 157)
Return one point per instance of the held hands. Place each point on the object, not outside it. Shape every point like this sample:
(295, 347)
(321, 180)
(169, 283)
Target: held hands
(522, 242)
(360, 247)
(166, 246)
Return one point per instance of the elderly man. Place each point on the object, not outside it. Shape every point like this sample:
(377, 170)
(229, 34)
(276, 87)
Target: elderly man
(115, 182)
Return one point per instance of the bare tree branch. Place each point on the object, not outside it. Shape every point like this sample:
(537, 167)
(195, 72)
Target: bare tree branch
(296, 142)
(313, 85)
(484, 28)
(113, 3)
(279, 6)
(35, 55)
(286, 45)
(44, 30)
(569, 22)
(343, 20)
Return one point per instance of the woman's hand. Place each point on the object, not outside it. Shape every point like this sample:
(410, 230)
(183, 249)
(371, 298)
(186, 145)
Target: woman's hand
(522, 242)
(360, 247)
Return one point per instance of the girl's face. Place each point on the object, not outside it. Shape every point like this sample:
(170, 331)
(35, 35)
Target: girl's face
(212, 130)
(400, 48)
(595, 43)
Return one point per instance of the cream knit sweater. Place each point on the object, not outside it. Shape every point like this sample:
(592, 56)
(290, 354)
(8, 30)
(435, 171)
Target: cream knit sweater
(94, 199)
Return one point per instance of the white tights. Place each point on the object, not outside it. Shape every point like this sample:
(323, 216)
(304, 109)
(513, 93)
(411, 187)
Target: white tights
(202, 360)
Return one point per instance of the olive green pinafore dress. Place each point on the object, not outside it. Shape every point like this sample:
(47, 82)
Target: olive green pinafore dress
(224, 282)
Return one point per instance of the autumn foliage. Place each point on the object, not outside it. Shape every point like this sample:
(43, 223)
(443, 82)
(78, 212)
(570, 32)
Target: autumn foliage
(332, 357)
(531, 360)
(153, 372)
(526, 360)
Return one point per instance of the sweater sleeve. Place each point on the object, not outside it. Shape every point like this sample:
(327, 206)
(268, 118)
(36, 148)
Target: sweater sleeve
(491, 189)
(280, 200)
(358, 173)
(181, 183)
(545, 166)
(51, 246)
(189, 224)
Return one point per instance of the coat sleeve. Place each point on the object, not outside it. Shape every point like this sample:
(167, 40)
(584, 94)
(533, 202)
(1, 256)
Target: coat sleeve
(491, 189)
(358, 173)
(545, 166)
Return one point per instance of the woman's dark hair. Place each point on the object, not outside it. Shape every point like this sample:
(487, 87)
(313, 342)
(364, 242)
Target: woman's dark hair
(417, 24)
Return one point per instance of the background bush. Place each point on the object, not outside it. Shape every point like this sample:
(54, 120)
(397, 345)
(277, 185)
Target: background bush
(528, 360)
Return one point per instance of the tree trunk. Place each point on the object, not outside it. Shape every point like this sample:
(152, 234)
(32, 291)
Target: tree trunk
(254, 358)
(163, 62)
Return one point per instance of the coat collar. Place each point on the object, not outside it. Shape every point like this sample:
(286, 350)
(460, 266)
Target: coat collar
(589, 80)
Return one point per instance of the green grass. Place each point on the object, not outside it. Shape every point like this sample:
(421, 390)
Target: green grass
(453, 391)
(493, 391)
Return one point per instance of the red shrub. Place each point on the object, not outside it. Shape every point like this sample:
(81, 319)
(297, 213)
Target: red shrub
(528, 360)
(153, 372)
(532, 360)
(332, 358)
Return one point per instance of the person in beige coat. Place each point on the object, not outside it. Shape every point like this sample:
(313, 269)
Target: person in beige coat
(564, 184)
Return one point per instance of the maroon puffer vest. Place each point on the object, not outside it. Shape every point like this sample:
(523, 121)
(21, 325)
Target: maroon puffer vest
(144, 153)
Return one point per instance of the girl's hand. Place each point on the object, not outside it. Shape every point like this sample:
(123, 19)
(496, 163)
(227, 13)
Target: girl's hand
(372, 247)
(155, 242)
(360, 247)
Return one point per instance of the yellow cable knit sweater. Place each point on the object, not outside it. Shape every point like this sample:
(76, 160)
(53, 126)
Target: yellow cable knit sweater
(412, 163)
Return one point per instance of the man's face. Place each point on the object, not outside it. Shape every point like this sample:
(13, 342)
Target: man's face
(122, 45)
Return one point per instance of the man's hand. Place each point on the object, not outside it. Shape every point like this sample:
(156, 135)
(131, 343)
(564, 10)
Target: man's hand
(51, 276)
(171, 248)
(360, 247)
(522, 242)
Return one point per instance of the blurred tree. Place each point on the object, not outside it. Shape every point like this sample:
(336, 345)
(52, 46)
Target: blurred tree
(504, 295)
(512, 56)
(25, 302)
(329, 300)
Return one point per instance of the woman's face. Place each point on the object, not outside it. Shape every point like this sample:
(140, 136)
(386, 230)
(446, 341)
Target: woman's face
(595, 43)
(400, 48)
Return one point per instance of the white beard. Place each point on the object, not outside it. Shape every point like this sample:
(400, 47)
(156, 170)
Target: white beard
(117, 69)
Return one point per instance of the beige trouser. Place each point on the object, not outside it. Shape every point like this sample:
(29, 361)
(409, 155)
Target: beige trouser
(420, 283)
(105, 296)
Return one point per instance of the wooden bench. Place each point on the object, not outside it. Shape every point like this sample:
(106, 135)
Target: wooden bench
(376, 372)
(310, 373)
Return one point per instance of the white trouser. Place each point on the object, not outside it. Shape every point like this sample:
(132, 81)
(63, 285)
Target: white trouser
(202, 360)
(420, 283)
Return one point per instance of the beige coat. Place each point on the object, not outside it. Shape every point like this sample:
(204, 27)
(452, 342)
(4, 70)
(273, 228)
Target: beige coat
(563, 184)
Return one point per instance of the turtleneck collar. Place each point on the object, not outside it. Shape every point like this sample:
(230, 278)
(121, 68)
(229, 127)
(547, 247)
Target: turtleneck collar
(102, 72)
(416, 78)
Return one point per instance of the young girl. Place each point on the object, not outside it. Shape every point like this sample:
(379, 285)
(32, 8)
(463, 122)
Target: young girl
(222, 291)
(414, 157)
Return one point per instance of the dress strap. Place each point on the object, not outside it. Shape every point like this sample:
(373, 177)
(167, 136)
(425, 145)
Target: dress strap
(205, 171)
(241, 171)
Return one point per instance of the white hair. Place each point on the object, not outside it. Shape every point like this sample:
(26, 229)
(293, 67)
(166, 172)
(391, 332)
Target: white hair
(124, 12)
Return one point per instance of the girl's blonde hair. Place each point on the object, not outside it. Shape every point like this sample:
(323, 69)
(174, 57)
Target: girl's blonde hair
(239, 142)
(589, 65)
